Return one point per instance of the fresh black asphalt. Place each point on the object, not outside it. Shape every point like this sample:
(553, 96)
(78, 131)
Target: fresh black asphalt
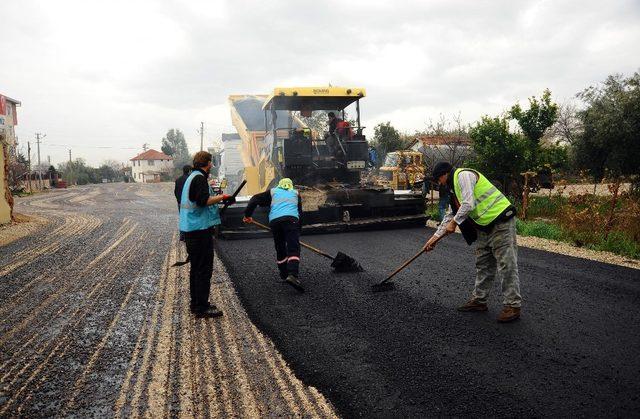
(409, 353)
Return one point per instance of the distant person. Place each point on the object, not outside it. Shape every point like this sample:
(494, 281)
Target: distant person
(484, 215)
(284, 219)
(198, 217)
(339, 127)
(177, 190)
(373, 157)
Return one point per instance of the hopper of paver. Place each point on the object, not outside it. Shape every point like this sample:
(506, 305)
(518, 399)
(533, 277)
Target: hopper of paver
(326, 167)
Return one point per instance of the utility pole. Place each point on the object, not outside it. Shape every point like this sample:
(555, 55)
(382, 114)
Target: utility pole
(38, 137)
(69, 169)
(145, 146)
(201, 131)
(29, 163)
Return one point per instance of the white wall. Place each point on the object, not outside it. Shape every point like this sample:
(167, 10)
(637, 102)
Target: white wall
(231, 160)
(142, 166)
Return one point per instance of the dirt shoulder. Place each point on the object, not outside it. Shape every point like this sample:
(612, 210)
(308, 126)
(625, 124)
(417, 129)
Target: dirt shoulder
(23, 225)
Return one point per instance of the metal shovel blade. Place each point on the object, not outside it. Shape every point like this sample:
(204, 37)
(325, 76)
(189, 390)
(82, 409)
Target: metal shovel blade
(345, 263)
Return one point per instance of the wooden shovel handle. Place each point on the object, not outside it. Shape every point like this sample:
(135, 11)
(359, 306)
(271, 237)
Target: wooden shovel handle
(404, 265)
(313, 249)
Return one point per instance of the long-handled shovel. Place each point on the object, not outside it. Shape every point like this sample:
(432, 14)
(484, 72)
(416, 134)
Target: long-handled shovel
(341, 262)
(388, 286)
(222, 210)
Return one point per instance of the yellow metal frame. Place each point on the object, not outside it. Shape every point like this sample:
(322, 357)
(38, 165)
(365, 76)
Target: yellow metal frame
(301, 96)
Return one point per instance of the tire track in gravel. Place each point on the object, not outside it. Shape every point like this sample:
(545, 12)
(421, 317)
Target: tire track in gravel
(59, 295)
(110, 333)
(62, 342)
(56, 304)
(242, 374)
(73, 226)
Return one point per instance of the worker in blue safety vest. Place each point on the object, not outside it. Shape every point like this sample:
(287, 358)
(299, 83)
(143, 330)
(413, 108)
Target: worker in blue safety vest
(284, 219)
(198, 217)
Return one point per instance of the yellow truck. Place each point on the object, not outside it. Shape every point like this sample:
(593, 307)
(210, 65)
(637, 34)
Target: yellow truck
(402, 169)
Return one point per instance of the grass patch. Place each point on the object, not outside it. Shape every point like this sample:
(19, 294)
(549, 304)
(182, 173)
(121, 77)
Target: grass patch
(540, 229)
(620, 244)
(545, 206)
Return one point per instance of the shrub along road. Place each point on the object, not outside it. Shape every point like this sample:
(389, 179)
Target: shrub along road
(576, 350)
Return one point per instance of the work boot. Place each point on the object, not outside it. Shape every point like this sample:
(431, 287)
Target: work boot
(473, 305)
(295, 283)
(208, 312)
(509, 314)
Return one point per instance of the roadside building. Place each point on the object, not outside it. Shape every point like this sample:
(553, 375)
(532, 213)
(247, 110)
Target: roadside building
(151, 166)
(231, 165)
(8, 120)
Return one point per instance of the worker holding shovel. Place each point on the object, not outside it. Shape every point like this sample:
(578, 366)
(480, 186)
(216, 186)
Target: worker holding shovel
(198, 217)
(284, 220)
(484, 215)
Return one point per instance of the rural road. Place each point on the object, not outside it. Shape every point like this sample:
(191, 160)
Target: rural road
(94, 323)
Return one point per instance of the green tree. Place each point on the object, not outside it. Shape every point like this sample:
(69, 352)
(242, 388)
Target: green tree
(386, 139)
(538, 118)
(609, 143)
(499, 154)
(174, 145)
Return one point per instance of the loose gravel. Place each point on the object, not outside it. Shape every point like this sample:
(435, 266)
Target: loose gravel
(95, 322)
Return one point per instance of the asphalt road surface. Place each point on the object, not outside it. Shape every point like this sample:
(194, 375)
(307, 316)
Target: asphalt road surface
(95, 323)
(409, 353)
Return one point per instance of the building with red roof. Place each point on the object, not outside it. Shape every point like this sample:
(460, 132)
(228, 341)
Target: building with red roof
(150, 165)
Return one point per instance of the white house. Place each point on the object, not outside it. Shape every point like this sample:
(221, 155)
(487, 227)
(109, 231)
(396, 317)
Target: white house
(231, 165)
(150, 165)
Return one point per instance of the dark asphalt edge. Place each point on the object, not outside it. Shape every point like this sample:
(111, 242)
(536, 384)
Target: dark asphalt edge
(307, 378)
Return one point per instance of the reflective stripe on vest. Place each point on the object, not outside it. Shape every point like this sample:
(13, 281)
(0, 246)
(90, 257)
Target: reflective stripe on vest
(284, 203)
(489, 202)
(192, 216)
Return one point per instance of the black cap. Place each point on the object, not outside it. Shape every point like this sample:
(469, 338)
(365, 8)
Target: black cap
(441, 168)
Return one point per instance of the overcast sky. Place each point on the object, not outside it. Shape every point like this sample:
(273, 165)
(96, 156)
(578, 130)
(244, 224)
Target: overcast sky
(117, 74)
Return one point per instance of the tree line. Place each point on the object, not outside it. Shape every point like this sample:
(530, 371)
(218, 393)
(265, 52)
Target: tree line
(599, 136)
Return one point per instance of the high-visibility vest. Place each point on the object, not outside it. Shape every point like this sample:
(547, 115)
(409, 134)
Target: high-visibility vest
(284, 203)
(489, 202)
(192, 216)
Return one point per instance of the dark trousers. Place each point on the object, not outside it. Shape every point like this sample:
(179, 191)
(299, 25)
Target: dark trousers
(200, 251)
(286, 236)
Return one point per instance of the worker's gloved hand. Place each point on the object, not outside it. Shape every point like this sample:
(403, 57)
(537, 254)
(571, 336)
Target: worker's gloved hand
(228, 199)
(247, 220)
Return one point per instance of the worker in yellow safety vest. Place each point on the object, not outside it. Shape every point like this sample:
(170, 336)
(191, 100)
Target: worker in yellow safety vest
(485, 216)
